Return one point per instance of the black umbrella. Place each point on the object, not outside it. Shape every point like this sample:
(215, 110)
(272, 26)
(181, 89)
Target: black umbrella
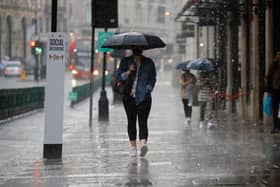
(130, 40)
(203, 64)
(182, 65)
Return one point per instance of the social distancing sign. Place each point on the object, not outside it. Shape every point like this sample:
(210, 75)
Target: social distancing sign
(54, 102)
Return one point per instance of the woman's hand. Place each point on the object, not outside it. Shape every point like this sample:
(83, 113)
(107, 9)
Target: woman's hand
(130, 69)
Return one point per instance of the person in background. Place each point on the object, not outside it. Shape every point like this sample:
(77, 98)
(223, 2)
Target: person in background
(140, 75)
(187, 80)
(273, 88)
(207, 83)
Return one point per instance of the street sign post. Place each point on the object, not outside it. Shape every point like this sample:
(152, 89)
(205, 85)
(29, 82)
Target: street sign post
(54, 103)
(102, 37)
(103, 103)
(104, 14)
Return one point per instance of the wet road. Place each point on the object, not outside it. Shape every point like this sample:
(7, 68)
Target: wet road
(233, 154)
(16, 82)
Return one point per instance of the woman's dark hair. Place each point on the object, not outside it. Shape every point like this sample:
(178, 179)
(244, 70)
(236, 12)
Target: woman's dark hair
(137, 51)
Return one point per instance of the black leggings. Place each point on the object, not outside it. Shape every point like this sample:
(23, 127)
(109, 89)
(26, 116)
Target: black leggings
(275, 108)
(133, 111)
(187, 108)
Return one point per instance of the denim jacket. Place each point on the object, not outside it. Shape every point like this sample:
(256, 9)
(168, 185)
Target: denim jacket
(146, 76)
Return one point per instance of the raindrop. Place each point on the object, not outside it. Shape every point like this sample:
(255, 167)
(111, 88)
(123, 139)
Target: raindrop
(253, 169)
(264, 181)
(275, 166)
(194, 183)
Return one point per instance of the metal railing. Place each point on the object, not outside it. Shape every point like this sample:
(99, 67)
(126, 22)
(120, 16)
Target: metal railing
(14, 102)
(79, 93)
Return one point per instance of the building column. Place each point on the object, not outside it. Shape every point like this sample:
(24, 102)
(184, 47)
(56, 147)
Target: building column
(197, 41)
(243, 89)
(268, 36)
(229, 65)
(255, 66)
(207, 42)
(222, 50)
(268, 45)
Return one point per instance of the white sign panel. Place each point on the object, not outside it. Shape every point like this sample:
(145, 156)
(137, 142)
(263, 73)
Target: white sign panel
(54, 102)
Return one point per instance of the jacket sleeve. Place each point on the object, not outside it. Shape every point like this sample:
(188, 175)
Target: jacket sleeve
(121, 70)
(152, 78)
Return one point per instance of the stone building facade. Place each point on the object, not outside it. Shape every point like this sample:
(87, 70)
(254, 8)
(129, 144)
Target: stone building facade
(246, 40)
(149, 16)
(23, 20)
(16, 16)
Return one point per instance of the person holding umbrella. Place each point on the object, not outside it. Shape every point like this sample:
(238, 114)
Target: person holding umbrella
(187, 80)
(140, 74)
(207, 83)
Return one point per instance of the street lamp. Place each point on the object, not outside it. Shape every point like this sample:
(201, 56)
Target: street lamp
(167, 13)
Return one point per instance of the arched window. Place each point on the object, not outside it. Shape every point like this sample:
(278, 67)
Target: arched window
(24, 42)
(150, 13)
(126, 14)
(139, 13)
(9, 37)
(161, 14)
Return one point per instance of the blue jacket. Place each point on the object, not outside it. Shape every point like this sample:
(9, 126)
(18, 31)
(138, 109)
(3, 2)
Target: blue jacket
(146, 76)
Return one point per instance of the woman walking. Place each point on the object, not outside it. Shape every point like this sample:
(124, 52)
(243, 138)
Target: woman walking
(187, 80)
(139, 74)
(207, 83)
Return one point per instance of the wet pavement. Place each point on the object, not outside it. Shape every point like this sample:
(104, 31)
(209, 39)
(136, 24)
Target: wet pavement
(235, 153)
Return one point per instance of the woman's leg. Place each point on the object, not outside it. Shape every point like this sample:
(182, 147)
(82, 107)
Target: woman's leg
(189, 110)
(130, 109)
(185, 105)
(209, 110)
(275, 108)
(202, 105)
(143, 111)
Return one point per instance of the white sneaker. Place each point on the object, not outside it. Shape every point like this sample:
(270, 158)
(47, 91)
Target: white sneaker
(201, 123)
(188, 121)
(210, 125)
(133, 152)
(144, 150)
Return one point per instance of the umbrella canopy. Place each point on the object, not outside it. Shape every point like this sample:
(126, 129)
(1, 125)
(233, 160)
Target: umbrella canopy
(203, 64)
(130, 40)
(182, 65)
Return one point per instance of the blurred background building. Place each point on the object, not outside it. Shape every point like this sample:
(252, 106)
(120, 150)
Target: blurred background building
(24, 20)
(153, 16)
(17, 24)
